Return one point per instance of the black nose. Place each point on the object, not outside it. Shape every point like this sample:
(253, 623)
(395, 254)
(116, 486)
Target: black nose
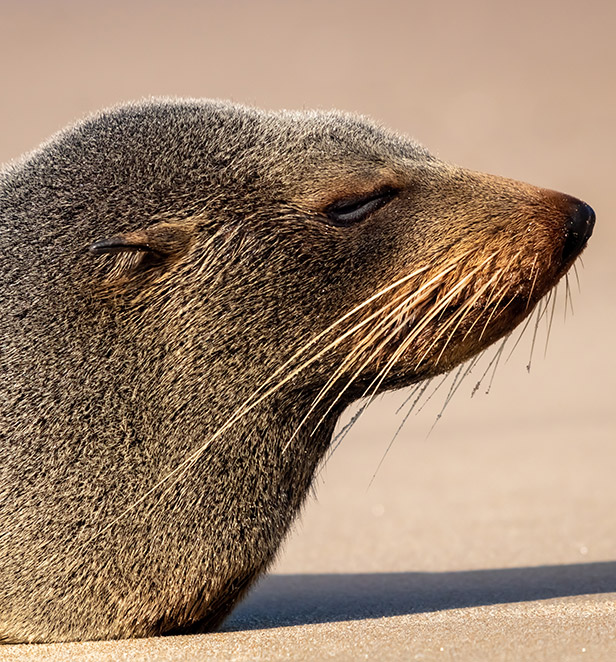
(579, 227)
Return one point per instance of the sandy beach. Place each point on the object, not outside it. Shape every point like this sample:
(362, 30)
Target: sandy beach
(490, 535)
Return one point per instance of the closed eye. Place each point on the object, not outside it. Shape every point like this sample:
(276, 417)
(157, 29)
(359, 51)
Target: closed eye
(352, 210)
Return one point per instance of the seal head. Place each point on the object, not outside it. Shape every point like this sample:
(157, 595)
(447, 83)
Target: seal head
(192, 292)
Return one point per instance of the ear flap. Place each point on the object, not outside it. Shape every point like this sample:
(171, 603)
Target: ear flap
(143, 252)
(161, 241)
(123, 243)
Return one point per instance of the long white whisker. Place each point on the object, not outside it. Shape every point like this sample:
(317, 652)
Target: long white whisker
(442, 305)
(365, 342)
(350, 359)
(461, 314)
(425, 290)
(495, 308)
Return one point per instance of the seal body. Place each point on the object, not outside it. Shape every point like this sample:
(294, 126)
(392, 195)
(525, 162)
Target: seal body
(191, 293)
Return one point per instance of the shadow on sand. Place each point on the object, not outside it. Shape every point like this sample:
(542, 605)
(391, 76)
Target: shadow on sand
(285, 600)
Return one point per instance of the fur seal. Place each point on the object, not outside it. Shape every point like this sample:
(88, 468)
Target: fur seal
(192, 291)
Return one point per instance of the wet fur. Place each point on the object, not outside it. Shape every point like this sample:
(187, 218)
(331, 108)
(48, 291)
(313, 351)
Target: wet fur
(182, 327)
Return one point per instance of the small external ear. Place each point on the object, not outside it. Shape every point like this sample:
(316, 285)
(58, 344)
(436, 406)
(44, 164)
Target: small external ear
(143, 253)
(160, 241)
(120, 244)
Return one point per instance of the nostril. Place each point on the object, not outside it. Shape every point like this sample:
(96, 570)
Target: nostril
(582, 220)
(579, 228)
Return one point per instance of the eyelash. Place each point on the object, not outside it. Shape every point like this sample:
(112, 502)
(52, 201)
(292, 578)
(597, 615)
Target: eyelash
(348, 212)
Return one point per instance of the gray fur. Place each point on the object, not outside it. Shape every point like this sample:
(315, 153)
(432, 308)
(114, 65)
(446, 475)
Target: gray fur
(116, 367)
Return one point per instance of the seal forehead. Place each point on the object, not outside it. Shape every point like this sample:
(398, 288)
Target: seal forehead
(318, 155)
(337, 138)
(243, 137)
(346, 133)
(197, 148)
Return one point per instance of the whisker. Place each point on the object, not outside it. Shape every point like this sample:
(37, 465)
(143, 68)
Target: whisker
(389, 445)
(495, 308)
(426, 289)
(461, 314)
(499, 353)
(442, 305)
(547, 300)
(471, 365)
(577, 277)
(547, 340)
(371, 356)
(568, 296)
(452, 389)
(500, 274)
(412, 393)
(339, 438)
(485, 372)
(365, 343)
(424, 386)
(436, 388)
(540, 309)
(517, 342)
(532, 287)
(340, 320)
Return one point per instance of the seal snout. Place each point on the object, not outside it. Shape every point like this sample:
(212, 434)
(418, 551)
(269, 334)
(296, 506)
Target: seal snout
(579, 227)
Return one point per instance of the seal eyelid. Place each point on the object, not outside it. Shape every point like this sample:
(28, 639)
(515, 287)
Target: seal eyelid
(352, 210)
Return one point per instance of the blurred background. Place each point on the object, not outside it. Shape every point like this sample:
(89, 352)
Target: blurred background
(522, 476)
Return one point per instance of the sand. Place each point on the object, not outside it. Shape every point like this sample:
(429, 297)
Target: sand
(493, 536)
